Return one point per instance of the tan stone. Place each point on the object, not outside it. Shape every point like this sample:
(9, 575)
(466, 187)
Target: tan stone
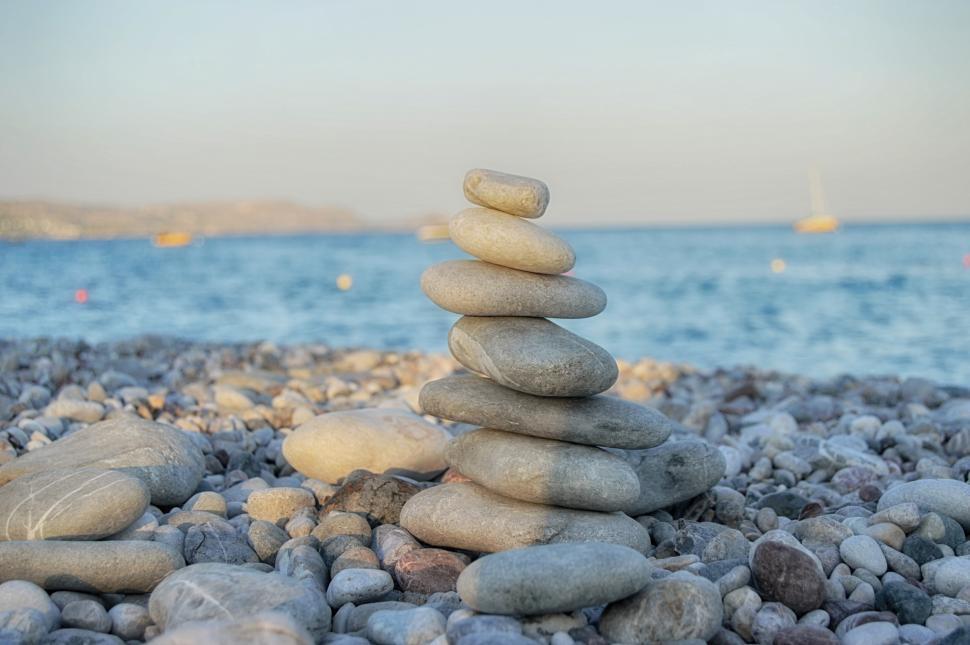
(512, 194)
(331, 446)
(510, 241)
(474, 288)
(469, 516)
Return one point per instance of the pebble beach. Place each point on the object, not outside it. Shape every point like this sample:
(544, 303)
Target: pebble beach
(841, 514)
(527, 488)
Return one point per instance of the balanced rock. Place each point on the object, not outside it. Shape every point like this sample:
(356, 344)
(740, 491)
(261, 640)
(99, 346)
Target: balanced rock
(100, 567)
(83, 504)
(163, 457)
(545, 471)
(331, 446)
(512, 194)
(469, 516)
(474, 288)
(674, 472)
(944, 496)
(681, 606)
(552, 578)
(595, 421)
(510, 241)
(222, 591)
(532, 355)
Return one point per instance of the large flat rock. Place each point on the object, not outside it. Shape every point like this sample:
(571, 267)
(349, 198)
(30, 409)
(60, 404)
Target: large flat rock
(161, 456)
(83, 504)
(945, 496)
(531, 580)
(532, 355)
(474, 288)
(596, 420)
(510, 241)
(100, 567)
(469, 516)
(545, 471)
(224, 591)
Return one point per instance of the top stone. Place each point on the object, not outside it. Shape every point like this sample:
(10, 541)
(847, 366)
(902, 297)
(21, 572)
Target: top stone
(510, 194)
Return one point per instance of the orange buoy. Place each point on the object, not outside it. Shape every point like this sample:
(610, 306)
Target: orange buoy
(778, 265)
(81, 296)
(345, 282)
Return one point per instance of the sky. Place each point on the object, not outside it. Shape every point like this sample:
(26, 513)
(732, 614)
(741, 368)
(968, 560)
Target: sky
(632, 112)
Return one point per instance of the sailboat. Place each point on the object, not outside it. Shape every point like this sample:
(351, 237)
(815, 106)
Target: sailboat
(820, 220)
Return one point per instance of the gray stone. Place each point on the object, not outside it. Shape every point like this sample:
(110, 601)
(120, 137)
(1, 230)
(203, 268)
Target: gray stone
(266, 538)
(469, 516)
(681, 606)
(772, 618)
(409, 627)
(267, 628)
(473, 288)
(217, 542)
(673, 472)
(863, 551)
(530, 581)
(102, 567)
(86, 614)
(503, 627)
(84, 504)
(128, 621)
(73, 636)
(532, 355)
(161, 456)
(358, 585)
(356, 617)
(875, 633)
(22, 626)
(224, 591)
(544, 471)
(20, 594)
(595, 421)
(945, 496)
(512, 194)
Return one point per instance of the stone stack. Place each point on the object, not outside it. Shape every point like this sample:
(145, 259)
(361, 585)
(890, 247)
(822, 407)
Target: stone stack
(537, 466)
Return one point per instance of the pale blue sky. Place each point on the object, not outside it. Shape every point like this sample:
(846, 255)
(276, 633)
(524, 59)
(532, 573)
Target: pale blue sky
(650, 112)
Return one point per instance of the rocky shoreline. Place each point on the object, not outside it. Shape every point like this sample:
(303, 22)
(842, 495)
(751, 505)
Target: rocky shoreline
(841, 515)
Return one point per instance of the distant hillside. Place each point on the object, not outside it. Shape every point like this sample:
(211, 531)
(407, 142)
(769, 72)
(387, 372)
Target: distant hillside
(47, 220)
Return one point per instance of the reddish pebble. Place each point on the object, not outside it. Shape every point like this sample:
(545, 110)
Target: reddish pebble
(428, 570)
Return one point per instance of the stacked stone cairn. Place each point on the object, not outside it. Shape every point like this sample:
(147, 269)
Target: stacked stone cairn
(554, 460)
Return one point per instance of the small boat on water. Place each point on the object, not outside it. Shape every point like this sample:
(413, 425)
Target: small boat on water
(820, 220)
(172, 239)
(433, 232)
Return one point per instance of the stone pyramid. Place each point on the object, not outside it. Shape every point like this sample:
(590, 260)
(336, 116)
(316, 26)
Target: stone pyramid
(537, 466)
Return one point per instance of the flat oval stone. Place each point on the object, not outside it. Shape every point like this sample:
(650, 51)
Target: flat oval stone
(595, 421)
(224, 591)
(945, 496)
(533, 580)
(545, 471)
(99, 567)
(161, 456)
(674, 472)
(271, 628)
(512, 194)
(331, 446)
(84, 504)
(510, 241)
(532, 355)
(471, 517)
(474, 288)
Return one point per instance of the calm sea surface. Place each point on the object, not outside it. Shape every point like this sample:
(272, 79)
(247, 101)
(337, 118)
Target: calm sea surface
(867, 300)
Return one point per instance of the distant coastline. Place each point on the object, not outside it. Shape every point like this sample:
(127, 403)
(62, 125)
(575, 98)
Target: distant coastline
(22, 220)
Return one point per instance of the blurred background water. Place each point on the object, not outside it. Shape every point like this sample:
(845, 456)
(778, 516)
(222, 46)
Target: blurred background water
(871, 299)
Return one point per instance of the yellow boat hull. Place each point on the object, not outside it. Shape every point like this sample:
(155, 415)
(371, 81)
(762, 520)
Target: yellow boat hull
(817, 224)
(169, 240)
